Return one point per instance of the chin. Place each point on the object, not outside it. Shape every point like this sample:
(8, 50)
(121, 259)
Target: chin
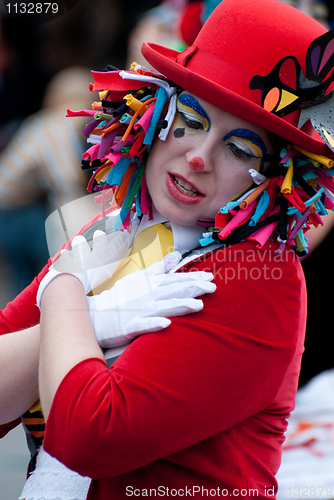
(177, 216)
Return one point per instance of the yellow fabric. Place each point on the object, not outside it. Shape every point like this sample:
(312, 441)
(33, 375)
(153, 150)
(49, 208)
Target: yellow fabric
(150, 246)
(327, 162)
(287, 183)
(328, 137)
(37, 407)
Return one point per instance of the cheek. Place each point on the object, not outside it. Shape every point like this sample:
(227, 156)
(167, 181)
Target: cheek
(151, 173)
(179, 129)
(158, 160)
(231, 182)
(179, 132)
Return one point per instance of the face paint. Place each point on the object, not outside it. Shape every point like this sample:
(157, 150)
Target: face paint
(192, 112)
(183, 194)
(247, 144)
(179, 132)
(197, 163)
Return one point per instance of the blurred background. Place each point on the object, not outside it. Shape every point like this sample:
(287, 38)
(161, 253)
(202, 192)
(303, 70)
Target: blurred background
(45, 68)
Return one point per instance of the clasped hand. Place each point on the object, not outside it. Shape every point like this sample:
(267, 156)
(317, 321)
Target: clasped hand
(139, 303)
(91, 266)
(143, 301)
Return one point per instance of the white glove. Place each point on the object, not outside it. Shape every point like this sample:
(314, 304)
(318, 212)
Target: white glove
(91, 266)
(142, 301)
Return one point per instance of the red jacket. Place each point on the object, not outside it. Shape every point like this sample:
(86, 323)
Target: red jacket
(199, 406)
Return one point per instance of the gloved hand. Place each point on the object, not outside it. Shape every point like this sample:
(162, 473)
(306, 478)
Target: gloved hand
(91, 266)
(141, 302)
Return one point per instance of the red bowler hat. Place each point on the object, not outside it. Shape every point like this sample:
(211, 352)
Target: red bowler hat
(255, 59)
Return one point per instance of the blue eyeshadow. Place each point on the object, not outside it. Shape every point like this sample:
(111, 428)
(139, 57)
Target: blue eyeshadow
(191, 102)
(245, 133)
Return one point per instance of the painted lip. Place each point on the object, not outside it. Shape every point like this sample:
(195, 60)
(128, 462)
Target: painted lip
(174, 191)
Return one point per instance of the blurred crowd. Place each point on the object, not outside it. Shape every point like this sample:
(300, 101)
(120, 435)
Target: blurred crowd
(44, 69)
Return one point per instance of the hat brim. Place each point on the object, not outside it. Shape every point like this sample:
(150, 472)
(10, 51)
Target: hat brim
(163, 59)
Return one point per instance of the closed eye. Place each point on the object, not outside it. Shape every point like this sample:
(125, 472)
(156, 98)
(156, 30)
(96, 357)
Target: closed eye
(190, 122)
(240, 153)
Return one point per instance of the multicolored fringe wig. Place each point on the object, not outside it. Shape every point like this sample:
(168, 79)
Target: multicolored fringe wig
(284, 206)
(134, 108)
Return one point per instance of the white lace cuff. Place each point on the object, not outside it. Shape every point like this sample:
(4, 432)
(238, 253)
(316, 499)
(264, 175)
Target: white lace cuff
(51, 480)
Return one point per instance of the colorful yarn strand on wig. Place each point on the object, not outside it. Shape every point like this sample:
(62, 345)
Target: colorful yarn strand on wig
(134, 108)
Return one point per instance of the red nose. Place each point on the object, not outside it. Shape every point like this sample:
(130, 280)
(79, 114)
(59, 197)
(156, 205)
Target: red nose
(197, 163)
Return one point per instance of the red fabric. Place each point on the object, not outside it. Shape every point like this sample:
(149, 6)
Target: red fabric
(5, 428)
(20, 314)
(190, 22)
(201, 404)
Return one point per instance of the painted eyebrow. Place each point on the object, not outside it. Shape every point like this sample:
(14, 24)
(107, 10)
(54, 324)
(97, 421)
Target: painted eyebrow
(245, 133)
(191, 102)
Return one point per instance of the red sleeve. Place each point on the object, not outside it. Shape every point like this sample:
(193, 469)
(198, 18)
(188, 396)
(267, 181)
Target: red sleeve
(20, 314)
(205, 373)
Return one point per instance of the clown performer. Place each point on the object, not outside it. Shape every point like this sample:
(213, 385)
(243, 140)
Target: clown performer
(220, 158)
